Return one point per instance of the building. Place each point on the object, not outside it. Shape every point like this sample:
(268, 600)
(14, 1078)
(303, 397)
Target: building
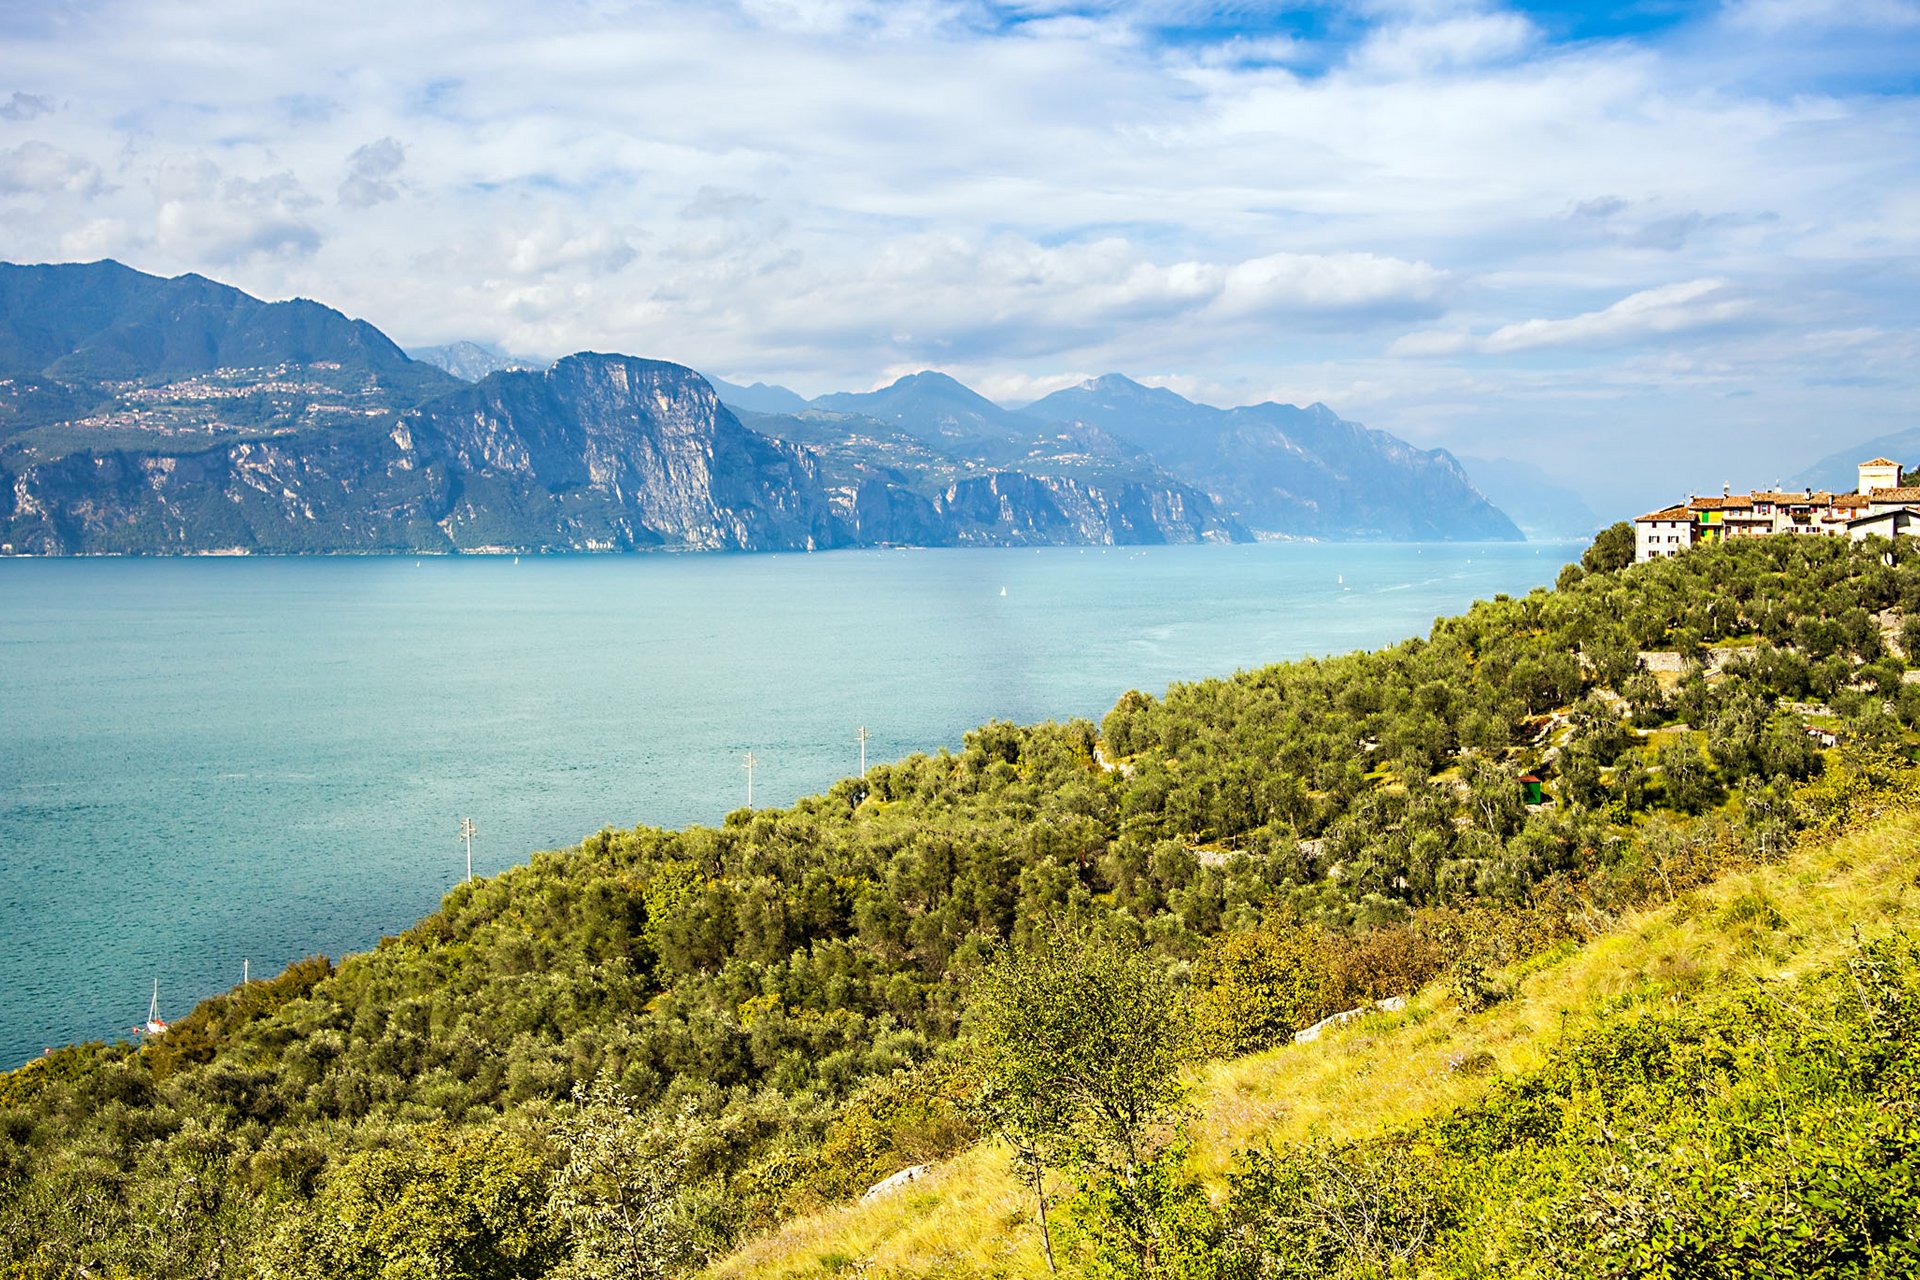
(1663, 533)
(1882, 504)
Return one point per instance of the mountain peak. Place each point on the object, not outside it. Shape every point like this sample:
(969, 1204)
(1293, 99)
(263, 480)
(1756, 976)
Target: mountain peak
(931, 382)
(927, 378)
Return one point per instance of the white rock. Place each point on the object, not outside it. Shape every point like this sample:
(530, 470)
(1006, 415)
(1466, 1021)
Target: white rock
(887, 1186)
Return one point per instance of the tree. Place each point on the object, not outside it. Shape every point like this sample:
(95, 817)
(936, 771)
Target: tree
(440, 1202)
(1078, 1043)
(617, 1191)
(1612, 549)
(1689, 784)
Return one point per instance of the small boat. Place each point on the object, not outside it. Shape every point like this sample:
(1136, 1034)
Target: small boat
(1003, 591)
(154, 1026)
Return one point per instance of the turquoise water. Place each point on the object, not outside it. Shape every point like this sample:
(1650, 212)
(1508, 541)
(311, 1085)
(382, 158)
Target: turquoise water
(205, 762)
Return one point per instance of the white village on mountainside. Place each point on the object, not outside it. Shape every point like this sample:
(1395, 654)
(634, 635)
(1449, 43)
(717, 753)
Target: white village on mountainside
(1879, 505)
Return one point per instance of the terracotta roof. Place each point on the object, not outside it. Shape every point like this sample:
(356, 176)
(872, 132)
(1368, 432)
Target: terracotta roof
(1670, 513)
(1907, 493)
(1880, 462)
(1796, 497)
(1707, 504)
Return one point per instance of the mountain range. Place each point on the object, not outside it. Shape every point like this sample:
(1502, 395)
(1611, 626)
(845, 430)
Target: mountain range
(1840, 472)
(148, 415)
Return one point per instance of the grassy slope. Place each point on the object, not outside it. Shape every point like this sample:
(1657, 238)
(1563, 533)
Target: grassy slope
(971, 1219)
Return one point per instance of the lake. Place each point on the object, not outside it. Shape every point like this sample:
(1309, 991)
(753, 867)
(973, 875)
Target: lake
(211, 762)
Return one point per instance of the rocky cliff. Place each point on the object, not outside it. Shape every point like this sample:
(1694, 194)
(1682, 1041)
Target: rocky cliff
(614, 453)
(1014, 508)
(598, 453)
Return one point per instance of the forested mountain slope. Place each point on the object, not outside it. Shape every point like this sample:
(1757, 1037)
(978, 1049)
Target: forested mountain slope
(715, 1029)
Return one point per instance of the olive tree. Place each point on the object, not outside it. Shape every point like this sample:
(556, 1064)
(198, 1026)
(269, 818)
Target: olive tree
(1078, 1042)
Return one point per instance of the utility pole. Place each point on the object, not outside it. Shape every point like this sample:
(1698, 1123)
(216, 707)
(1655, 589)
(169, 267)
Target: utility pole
(467, 834)
(748, 766)
(863, 735)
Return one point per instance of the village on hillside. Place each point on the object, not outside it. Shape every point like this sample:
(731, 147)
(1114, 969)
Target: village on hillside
(1880, 504)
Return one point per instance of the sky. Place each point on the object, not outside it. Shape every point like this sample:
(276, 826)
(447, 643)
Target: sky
(1650, 247)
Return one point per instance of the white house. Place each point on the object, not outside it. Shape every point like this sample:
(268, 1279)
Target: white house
(1880, 505)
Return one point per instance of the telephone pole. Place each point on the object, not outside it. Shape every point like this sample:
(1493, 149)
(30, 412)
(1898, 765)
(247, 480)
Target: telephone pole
(863, 735)
(748, 766)
(467, 833)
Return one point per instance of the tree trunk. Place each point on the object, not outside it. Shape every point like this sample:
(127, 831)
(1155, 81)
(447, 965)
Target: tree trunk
(1040, 1193)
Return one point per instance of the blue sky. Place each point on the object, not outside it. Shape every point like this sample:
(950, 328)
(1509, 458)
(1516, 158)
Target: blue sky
(1650, 247)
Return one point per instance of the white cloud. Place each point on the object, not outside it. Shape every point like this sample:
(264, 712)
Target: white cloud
(25, 106)
(369, 172)
(1452, 43)
(1644, 314)
(204, 216)
(1667, 309)
(94, 239)
(38, 168)
(1297, 282)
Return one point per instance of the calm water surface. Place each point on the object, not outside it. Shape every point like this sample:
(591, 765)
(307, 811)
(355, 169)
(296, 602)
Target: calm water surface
(205, 762)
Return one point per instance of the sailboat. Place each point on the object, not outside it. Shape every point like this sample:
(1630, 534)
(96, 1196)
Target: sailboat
(154, 1026)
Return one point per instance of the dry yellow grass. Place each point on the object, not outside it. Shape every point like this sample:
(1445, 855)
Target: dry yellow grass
(971, 1219)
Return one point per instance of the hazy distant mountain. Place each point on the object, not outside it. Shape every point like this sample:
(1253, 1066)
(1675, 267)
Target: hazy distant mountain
(172, 416)
(1839, 472)
(139, 414)
(101, 321)
(472, 361)
(758, 398)
(97, 356)
(939, 410)
(1289, 470)
(1542, 506)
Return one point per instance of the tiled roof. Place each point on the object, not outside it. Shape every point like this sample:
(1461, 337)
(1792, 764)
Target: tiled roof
(1799, 498)
(1670, 513)
(1880, 462)
(1907, 493)
(1706, 504)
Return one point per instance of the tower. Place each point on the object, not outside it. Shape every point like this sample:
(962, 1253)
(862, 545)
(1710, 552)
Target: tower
(1880, 473)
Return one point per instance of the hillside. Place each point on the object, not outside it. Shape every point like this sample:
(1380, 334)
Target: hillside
(88, 323)
(1422, 1084)
(724, 1030)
